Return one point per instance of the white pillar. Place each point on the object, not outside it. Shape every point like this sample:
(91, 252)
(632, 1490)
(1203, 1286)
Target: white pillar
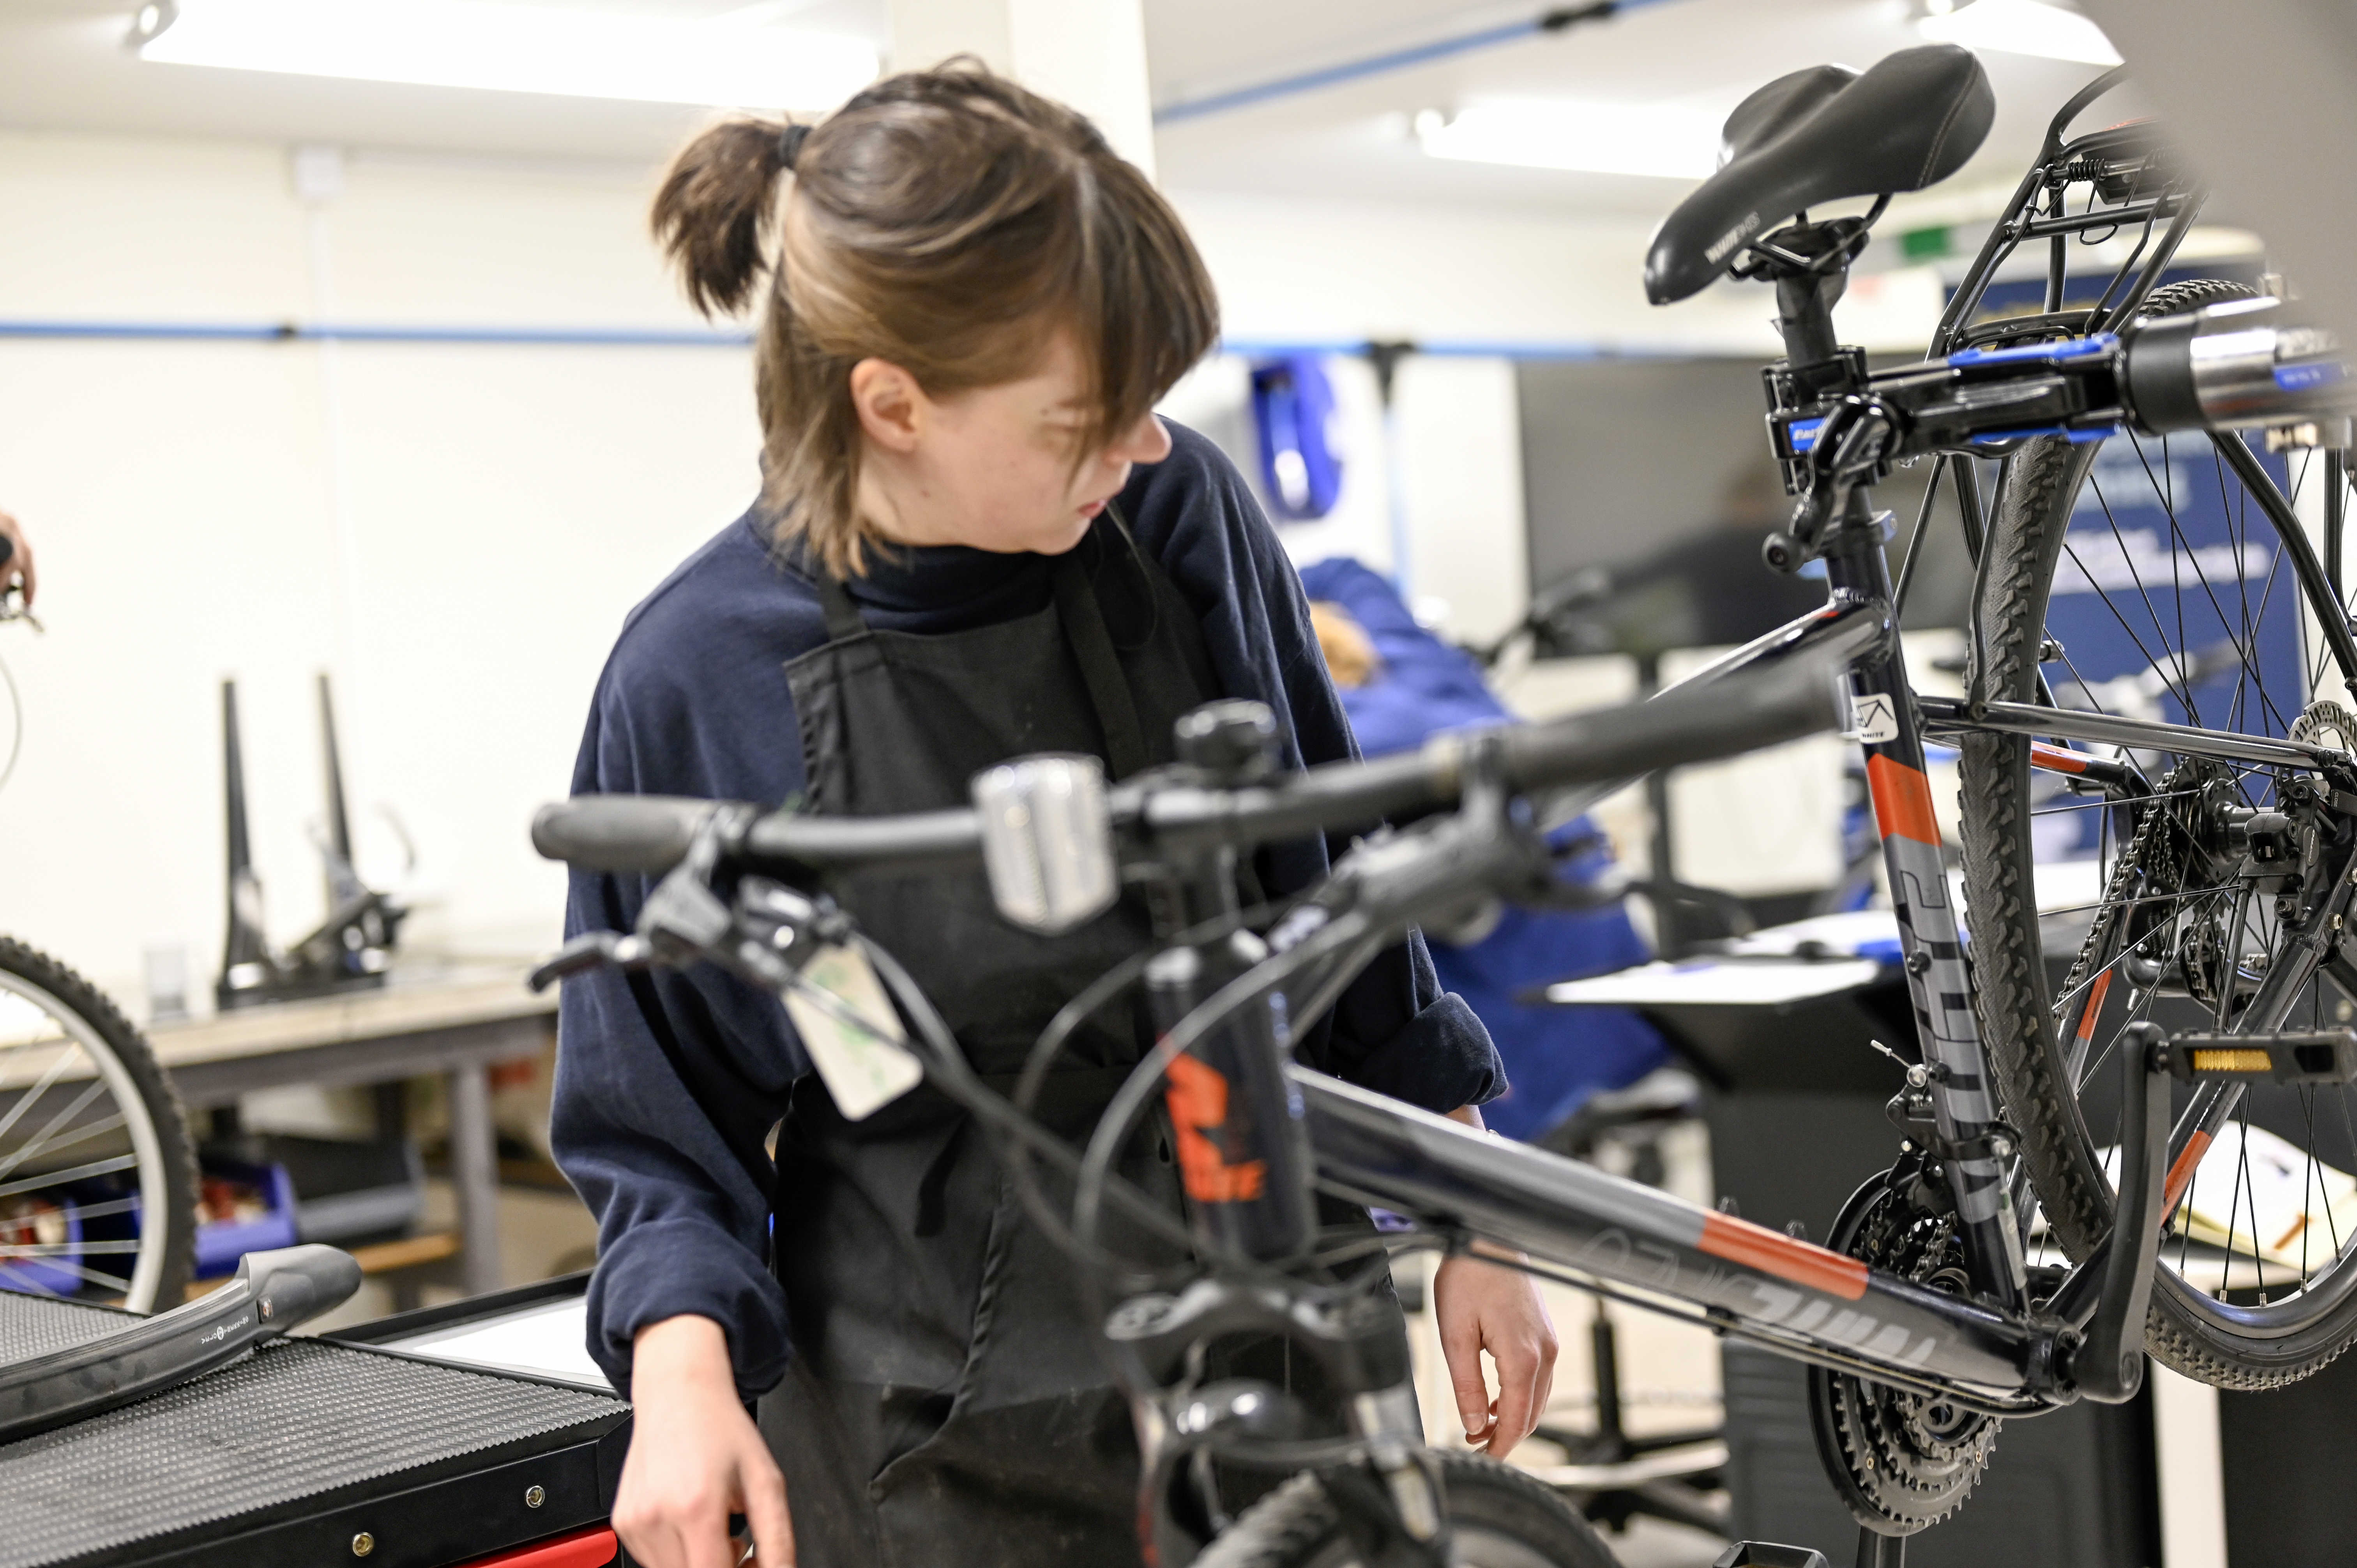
(2193, 1479)
(1090, 54)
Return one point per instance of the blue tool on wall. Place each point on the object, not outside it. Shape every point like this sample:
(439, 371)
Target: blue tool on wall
(1293, 412)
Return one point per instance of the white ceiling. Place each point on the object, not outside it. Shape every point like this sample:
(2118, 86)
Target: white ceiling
(62, 66)
(1353, 139)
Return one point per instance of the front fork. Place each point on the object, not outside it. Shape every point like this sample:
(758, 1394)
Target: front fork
(1971, 1143)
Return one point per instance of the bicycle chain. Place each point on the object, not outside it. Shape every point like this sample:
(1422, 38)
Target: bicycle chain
(2131, 864)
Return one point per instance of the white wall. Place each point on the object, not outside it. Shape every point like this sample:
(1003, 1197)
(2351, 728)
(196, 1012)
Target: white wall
(1458, 471)
(1307, 271)
(502, 507)
(457, 532)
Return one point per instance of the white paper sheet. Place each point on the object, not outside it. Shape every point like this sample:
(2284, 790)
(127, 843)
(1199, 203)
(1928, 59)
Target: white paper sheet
(545, 1341)
(1746, 982)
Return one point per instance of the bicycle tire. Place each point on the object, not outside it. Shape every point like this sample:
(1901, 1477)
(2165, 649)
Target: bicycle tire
(1500, 1517)
(162, 1160)
(2204, 1337)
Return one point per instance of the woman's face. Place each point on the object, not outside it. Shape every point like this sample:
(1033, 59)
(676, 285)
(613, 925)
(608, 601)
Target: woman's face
(991, 467)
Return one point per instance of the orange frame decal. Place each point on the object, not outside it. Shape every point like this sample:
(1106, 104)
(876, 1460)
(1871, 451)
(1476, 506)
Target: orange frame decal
(1786, 1256)
(1903, 801)
(2095, 1006)
(2181, 1172)
(1197, 1099)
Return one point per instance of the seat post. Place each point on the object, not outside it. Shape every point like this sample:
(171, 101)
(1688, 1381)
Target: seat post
(1805, 314)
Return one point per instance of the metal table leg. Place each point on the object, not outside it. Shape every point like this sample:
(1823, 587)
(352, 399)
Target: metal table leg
(474, 1172)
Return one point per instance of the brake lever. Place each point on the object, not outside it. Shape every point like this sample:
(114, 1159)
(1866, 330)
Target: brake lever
(594, 949)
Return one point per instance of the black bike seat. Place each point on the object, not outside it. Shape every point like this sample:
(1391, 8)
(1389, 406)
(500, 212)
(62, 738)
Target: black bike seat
(1823, 135)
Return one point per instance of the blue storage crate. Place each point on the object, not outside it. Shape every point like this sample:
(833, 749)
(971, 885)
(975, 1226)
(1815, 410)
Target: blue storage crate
(221, 1242)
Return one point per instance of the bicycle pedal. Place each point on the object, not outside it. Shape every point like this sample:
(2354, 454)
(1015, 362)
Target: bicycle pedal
(1768, 1554)
(2284, 1056)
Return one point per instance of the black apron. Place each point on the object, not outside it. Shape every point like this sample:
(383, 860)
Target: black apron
(946, 1403)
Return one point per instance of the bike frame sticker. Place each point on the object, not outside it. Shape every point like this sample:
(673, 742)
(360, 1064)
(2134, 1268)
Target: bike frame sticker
(1903, 801)
(2095, 994)
(1873, 717)
(1786, 1256)
(2180, 1172)
(1197, 1099)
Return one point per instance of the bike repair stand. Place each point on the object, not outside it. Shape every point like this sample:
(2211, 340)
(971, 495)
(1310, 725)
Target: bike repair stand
(353, 946)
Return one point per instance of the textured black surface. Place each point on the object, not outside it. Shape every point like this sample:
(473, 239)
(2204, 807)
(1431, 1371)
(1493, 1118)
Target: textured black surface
(298, 1419)
(33, 1326)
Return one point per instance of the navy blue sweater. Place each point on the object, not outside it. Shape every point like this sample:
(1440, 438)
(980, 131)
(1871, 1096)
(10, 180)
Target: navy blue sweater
(669, 1083)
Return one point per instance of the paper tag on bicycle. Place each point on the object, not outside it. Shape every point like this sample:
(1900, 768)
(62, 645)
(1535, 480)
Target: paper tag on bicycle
(1873, 718)
(863, 1070)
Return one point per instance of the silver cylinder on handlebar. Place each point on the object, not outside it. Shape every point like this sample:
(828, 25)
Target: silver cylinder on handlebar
(1047, 841)
(2232, 366)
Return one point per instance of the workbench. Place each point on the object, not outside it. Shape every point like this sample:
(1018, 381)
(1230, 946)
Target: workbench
(458, 1023)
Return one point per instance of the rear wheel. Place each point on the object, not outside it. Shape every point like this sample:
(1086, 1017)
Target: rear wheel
(1498, 1517)
(98, 1186)
(2142, 577)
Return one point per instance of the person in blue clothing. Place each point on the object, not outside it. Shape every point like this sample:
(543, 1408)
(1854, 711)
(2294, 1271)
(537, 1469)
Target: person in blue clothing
(1400, 685)
(973, 541)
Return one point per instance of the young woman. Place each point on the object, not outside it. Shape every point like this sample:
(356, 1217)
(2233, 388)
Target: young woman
(973, 541)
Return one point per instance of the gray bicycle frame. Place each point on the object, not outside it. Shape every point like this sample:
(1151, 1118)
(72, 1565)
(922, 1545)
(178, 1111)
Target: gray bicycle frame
(1807, 1300)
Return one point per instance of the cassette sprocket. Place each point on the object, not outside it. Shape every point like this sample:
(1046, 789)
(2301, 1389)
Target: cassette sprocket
(1902, 1461)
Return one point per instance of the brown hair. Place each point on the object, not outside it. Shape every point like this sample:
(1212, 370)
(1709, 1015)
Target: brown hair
(939, 220)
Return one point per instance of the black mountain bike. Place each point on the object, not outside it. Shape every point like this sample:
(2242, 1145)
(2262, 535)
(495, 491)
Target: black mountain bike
(2160, 850)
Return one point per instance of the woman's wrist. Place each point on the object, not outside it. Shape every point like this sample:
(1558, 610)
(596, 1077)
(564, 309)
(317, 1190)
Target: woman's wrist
(680, 1355)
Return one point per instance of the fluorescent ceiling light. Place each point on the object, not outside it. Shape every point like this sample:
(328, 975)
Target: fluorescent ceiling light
(2018, 26)
(1668, 141)
(729, 60)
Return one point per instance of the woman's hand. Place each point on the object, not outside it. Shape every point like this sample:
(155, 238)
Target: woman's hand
(1483, 1306)
(696, 1456)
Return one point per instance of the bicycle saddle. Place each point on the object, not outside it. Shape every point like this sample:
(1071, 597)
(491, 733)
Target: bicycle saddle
(1818, 136)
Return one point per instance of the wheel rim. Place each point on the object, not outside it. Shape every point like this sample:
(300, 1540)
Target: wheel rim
(2172, 598)
(55, 1069)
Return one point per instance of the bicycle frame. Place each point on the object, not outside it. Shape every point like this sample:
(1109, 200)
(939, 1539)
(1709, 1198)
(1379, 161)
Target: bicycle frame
(1993, 1352)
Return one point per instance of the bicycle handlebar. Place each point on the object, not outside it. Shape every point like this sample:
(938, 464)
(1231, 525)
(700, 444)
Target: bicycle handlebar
(648, 835)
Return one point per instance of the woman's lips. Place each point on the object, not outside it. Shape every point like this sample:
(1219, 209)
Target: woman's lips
(1090, 508)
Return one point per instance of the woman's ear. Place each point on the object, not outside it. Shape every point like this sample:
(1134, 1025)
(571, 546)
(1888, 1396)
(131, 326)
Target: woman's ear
(892, 407)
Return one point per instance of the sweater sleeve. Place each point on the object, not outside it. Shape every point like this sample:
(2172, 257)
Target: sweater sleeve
(669, 1081)
(1394, 1030)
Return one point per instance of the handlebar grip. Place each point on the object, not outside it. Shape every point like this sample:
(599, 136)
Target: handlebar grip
(644, 833)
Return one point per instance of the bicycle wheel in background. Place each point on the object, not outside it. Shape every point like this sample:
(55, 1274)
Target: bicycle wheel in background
(2146, 579)
(1498, 1517)
(98, 1185)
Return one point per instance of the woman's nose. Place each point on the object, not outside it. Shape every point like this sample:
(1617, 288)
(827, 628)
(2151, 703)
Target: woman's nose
(1148, 441)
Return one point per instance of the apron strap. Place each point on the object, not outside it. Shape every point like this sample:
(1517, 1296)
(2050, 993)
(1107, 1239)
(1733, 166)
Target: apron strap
(1085, 631)
(843, 620)
(1101, 671)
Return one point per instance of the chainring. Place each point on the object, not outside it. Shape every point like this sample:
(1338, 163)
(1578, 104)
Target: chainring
(1901, 1461)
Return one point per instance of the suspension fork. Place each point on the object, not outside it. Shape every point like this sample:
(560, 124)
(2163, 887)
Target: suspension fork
(1890, 734)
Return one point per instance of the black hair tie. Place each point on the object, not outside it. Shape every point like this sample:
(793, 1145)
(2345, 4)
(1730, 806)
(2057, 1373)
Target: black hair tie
(790, 144)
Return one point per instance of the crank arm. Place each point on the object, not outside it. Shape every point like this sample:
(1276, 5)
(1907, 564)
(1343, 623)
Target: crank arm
(2108, 1365)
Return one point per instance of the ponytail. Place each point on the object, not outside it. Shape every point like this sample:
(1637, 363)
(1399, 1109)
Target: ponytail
(713, 215)
(949, 223)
